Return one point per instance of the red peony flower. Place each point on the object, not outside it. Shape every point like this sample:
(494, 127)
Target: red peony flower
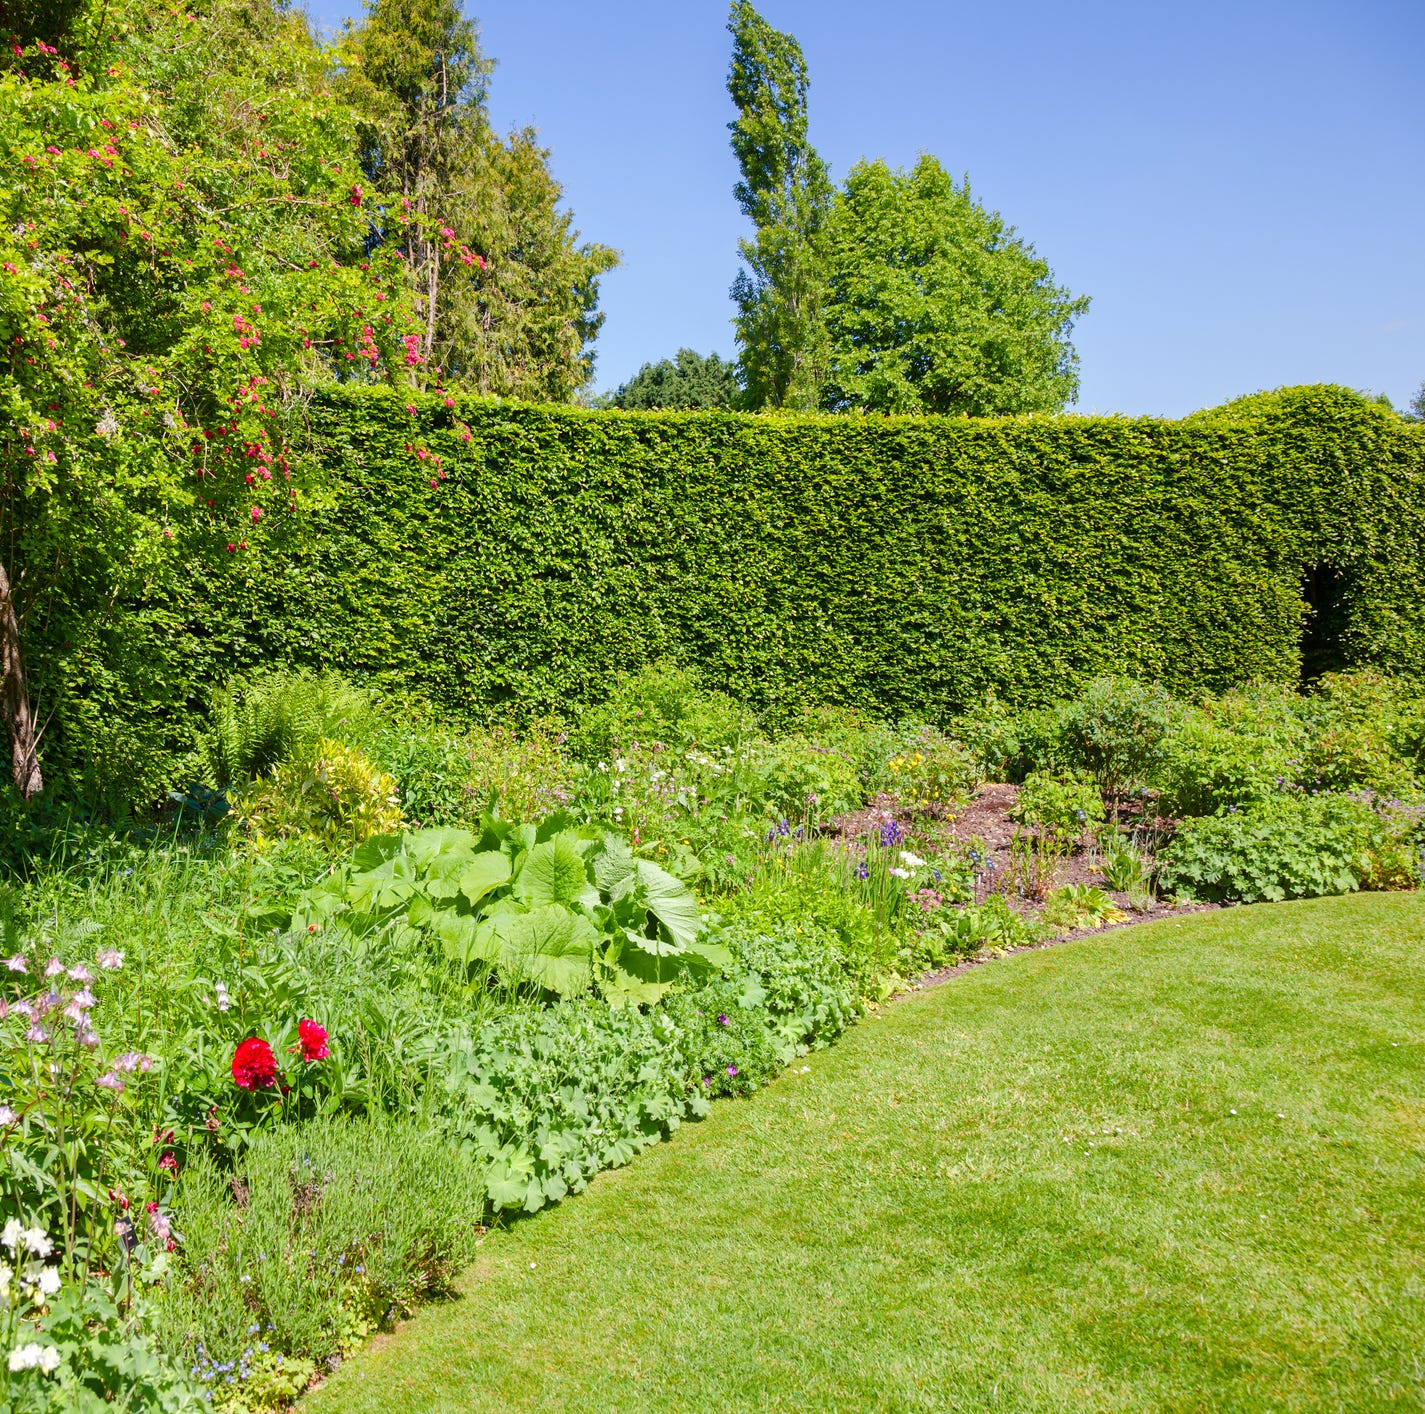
(313, 1039)
(254, 1065)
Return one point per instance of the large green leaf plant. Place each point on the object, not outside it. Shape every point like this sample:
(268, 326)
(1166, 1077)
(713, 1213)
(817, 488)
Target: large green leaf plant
(567, 909)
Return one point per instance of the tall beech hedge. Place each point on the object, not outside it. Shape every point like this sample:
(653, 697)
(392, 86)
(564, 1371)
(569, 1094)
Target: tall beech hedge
(898, 564)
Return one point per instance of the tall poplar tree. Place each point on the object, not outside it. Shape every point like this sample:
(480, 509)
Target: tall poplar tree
(787, 194)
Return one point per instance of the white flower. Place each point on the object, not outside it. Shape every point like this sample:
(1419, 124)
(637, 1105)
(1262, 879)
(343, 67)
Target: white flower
(7, 1116)
(110, 959)
(11, 1234)
(49, 1281)
(899, 873)
(6, 1272)
(107, 425)
(35, 1357)
(224, 1001)
(36, 1240)
(911, 861)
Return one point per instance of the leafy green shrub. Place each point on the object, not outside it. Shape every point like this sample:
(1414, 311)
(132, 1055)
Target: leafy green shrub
(323, 1232)
(810, 987)
(1115, 731)
(326, 791)
(1298, 846)
(1059, 807)
(1007, 745)
(1364, 733)
(558, 908)
(547, 1097)
(256, 723)
(929, 772)
(664, 703)
(799, 778)
(1206, 769)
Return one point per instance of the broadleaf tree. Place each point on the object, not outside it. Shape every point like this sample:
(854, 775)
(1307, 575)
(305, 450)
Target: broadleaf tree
(182, 254)
(933, 304)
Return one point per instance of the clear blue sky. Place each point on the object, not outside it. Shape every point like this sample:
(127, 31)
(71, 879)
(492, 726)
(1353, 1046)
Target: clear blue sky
(1238, 184)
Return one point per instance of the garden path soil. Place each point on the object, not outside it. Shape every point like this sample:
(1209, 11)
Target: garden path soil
(985, 821)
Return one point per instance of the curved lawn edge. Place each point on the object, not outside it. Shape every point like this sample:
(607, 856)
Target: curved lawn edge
(1168, 1167)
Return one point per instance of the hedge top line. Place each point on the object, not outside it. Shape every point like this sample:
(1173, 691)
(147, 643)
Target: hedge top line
(1248, 407)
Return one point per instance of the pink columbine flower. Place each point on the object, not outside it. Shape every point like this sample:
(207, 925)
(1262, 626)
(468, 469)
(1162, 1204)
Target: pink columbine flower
(53, 967)
(111, 1081)
(17, 963)
(110, 960)
(80, 973)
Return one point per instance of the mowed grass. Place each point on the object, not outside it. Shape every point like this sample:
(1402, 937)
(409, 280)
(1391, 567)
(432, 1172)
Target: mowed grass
(1175, 1167)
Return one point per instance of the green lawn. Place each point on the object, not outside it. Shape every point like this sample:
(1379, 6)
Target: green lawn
(1178, 1167)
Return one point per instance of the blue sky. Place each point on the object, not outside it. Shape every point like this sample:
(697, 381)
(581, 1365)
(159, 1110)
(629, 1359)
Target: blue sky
(1240, 186)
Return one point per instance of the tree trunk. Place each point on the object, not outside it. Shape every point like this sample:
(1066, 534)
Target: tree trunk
(15, 701)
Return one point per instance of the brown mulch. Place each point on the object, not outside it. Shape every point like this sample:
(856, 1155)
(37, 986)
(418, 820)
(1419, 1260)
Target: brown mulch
(985, 822)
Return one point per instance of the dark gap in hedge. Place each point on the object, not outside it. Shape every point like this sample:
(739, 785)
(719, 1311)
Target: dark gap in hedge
(1325, 591)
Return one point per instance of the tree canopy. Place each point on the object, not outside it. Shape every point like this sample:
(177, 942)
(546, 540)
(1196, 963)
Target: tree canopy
(934, 304)
(786, 192)
(518, 317)
(896, 293)
(207, 216)
(685, 382)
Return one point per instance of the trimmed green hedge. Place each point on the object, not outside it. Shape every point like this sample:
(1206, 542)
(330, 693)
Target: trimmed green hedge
(900, 564)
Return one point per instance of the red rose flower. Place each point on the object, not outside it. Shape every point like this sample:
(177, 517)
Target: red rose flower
(313, 1039)
(254, 1065)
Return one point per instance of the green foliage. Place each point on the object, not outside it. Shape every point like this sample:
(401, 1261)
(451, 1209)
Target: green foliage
(1125, 869)
(86, 1347)
(687, 382)
(327, 791)
(1206, 769)
(662, 703)
(561, 909)
(255, 724)
(786, 193)
(547, 1098)
(1365, 732)
(798, 778)
(1293, 847)
(1059, 807)
(1116, 730)
(1080, 906)
(930, 772)
(901, 566)
(933, 304)
(323, 1233)
(515, 314)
